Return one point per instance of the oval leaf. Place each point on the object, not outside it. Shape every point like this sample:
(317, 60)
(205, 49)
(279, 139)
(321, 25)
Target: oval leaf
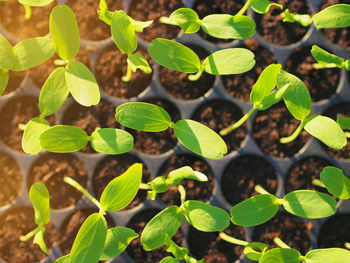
(143, 116)
(32, 52)
(90, 240)
(186, 172)
(285, 255)
(30, 140)
(336, 182)
(138, 61)
(40, 199)
(64, 32)
(200, 139)
(205, 217)
(35, 2)
(309, 204)
(4, 79)
(165, 223)
(333, 16)
(186, 18)
(329, 255)
(122, 190)
(7, 55)
(323, 57)
(255, 210)
(111, 141)
(173, 55)
(229, 61)
(326, 130)
(82, 84)
(63, 139)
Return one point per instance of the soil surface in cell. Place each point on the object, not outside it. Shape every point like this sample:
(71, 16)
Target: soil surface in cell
(113, 166)
(145, 10)
(274, 31)
(334, 232)
(242, 174)
(50, 169)
(135, 249)
(321, 83)
(271, 125)
(176, 83)
(201, 191)
(111, 66)
(219, 114)
(20, 221)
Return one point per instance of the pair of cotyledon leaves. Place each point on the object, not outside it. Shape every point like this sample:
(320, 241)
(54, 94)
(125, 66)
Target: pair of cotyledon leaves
(323, 57)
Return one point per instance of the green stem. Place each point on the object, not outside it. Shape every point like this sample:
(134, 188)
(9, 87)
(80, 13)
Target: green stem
(27, 12)
(182, 192)
(244, 8)
(318, 182)
(259, 189)
(347, 134)
(77, 186)
(232, 240)
(145, 187)
(294, 135)
(60, 62)
(238, 123)
(28, 236)
(22, 126)
(195, 76)
(347, 245)
(280, 243)
(127, 77)
(328, 65)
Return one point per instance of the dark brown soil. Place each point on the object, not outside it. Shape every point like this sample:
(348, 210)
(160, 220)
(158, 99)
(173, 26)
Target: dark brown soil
(90, 26)
(156, 143)
(273, 30)
(145, 10)
(338, 36)
(15, 80)
(243, 173)
(135, 250)
(20, 221)
(272, 124)
(50, 169)
(12, 18)
(10, 179)
(219, 114)
(212, 248)
(322, 83)
(111, 66)
(290, 229)
(18, 110)
(208, 7)
(71, 225)
(342, 109)
(334, 232)
(303, 171)
(90, 118)
(195, 190)
(176, 83)
(113, 166)
(239, 86)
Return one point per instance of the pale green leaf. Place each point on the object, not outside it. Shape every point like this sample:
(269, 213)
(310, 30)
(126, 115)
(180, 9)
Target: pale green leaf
(39, 239)
(35, 2)
(336, 182)
(40, 199)
(169, 260)
(138, 61)
(30, 140)
(344, 122)
(263, 6)
(329, 255)
(254, 250)
(175, 249)
(4, 79)
(186, 18)
(7, 54)
(139, 25)
(281, 255)
(323, 57)
(186, 172)
(64, 259)
(333, 17)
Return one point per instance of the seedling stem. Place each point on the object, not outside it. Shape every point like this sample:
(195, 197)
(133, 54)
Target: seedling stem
(347, 134)
(145, 187)
(280, 243)
(28, 12)
(328, 65)
(127, 77)
(182, 192)
(238, 123)
(244, 8)
(32, 233)
(294, 134)
(232, 240)
(259, 189)
(318, 183)
(195, 76)
(347, 245)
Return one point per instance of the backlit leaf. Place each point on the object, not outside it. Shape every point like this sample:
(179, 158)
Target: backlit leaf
(323, 57)
(333, 16)
(186, 172)
(344, 122)
(30, 140)
(138, 61)
(336, 182)
(263, 6)
(64, 259)
(35, 2)
(40, 199)
(39, 239)
(281, 255)
(7, 55)
(4, 79)
(329, 255)
(186, 18)
(254, 250)
(169, 260)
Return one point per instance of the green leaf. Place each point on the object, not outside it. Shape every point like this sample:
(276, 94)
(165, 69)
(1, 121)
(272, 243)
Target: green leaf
(254, 250)
(165, 223)
(205, 217)
(139, 25)
(138, 61)
(309, 204)
(117, 240)
(64, 259)
(32, 52)
(323, 57)
(173, 248)
(122, 190)
(123, 32)
(169, 260)
(281, 255)
(53, 93)
(343, 122)
(143, 116)
(200, 139)
(173, 55)
(225, 26)
(305, 19)
(40, 199)
(255, 210)
(7, 54)
(64, 32)
(111, 141)
(82, 84)
(336, 182)
(32, 132)
(186, 172)
(63, 139)
(4, 79)
(89, 242)
(186, 18)
(297, 97)
(39, 239)
(263, 6)
(326, 130)
(229, 61)
(35, 2)
(333, 16)
(329, 255)
(265, 83)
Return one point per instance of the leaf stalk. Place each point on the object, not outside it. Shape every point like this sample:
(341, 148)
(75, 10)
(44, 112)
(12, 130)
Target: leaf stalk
(280, 243)
(259, 189)
(232, 240)
(182, 192)
(294, 135)
(244, 8)
(127, 77)
(327, 65)
(238, 123)
(318, 182)
(27, 12)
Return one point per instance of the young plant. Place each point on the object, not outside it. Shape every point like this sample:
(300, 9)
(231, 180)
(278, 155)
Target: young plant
(193, 135)
(27, 4)
(176, 56)
(93, 233)
(328, 60)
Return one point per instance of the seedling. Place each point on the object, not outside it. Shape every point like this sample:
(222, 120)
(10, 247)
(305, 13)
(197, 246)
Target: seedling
(27, 4)
(328, 60)
(176, 56)
(193, 135)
